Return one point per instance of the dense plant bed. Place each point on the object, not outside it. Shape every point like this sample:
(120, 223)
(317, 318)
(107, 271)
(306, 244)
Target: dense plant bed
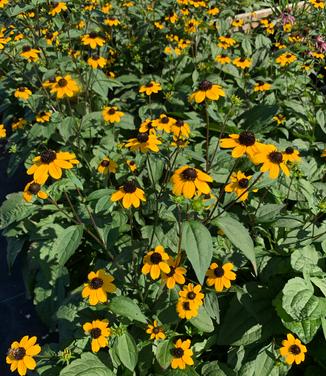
(173, 221)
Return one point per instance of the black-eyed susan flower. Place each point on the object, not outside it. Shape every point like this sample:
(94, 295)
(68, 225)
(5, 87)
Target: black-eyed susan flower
(179, 142)
(111, 22)
(164, 123)
(207, 90)
(33, 189)
(21, 355)
(51, 38)
(156, 332)
(99, 332)
(186, 309)
(280, 119)
(243, 143)
(64, 86)
(239, 22)
(223, 59)
(272, 160)
(112, 114)
(187, 181)
(23, 93)
(180, 129)
(96, 61)
(176, 274)
(191, 26)
(286, 59)
(318, 4)
(262, 86)
(220, 276)
(156, 261)
(239, 185)
(225, 42)
(93, 40)
(130, 195)
(132, 165)
(51, 163)
(106, 8)
(291, 155)
(58, 8)
(43, 117)
(182, 354)
(192, 294)
(18, 124)
(147, 126)
(213, 11)
(242, 62)
(293, 350)
(30, 54)
(98, 286)
(144, 142)
(107, 165)
(3, 132)
(150, 88)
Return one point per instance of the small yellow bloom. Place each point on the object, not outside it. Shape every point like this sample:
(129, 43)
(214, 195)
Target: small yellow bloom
(182, 354)
(293, 350)
(242, 62)
(64, 86)
(220, 276)
(96, 61)
(30, 54)
(107, 165)
(98, 286)
(155, 262)
(111, 114)
(99, 332)
(155, 331)
(130, 195)
(150, 88)
(207, 90)
(93, 40)
(3, 132)
(58, 8)
(23, 93)
(33, 189)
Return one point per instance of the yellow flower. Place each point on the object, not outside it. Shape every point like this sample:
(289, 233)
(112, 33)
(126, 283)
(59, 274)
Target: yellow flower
(176, 274)
(207, 90)
(192, 294)
(239, 184)
(317, 55)
(323, 154)
(156, 261)
(150, 88)
(43, 117)
(29, 53)
(225, 42)
(155, 331)
(99, 332)
(96, 61)
(318, 4)
(237, 22)
(147, 126)
(129, 194)
(191, 26)
(187, 181)
(158, 25)
(286, 59)
(144, 142)
(291, 155)
(98, 286)
(186, 310)
(111, 114)
(261, 86)
(58, 8)
(107, 165)
(180, 129)
(23, 93)
(3, 3)
(93, 40)
(243, 143)
(280, 119)
(293, 350)
(132, 165)
(182, 354)
(223, 59)
(21, 355)
(242, 62)
(32, 189)
(272, 161)
(106, 8)
(220, 276)
(213, 11)
(19, 124)
(111, 22)
(164, 123)
(172, 17)
(51, 163)
(3, 132)
(64, 87)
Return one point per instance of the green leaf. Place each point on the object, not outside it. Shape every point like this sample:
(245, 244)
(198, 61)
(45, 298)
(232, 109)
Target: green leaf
(217, 369)
(88, 364)
(268, 213)
(127, 351)
(163, 353)
(305, 260)
(67, 243)
(258, 116)
(202, 321)
(101, 84)
(197, 242)
(121, 305)
(239, 237)
(14, 247)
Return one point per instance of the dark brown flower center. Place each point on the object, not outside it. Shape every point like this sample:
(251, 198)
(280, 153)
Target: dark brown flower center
(105, 163)
(165, 120)
(142, 137)
(96, 283)
(172, 272)
(34, 188)
(49, 35)
(205, 85)
(156, 258)
(111, 111)
(243, 183)
(18, 353)
(219, 272)
(132, 163)
(92, 35)
(150, 84)
(295, 349)
(275, 157)
(189, 174)
(289, 150)
(179, 123)
(156, 330)
(129, 187)
(21, 89)
(178, 352)
(191, 295)
(48, 156)
(186, 306)
(95, 333)
(62, 82)
(26, 48)
(247, 138)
